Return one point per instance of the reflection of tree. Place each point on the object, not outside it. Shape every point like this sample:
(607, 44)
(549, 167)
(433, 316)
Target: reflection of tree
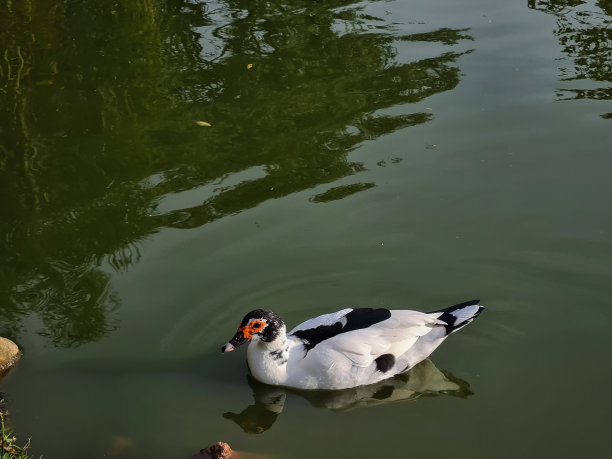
(585, 34)
(65, 87)
(97, 110)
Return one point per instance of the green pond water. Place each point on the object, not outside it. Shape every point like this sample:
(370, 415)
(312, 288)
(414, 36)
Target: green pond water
(399, 154)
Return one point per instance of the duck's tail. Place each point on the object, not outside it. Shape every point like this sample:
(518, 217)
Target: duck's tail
(459, 315)
(449, 320)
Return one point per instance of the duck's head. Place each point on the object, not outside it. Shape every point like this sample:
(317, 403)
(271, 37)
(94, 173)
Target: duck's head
(257, 325)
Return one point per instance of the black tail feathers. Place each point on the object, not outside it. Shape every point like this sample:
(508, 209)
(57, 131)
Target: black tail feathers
(459, 315)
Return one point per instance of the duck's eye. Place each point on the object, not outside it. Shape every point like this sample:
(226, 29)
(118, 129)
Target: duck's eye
(257, 326)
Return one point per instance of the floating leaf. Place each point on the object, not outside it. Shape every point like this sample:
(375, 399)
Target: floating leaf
(203, 123)
(249, 67)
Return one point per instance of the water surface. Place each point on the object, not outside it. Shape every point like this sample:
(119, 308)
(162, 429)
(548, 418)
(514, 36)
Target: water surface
(400, 154)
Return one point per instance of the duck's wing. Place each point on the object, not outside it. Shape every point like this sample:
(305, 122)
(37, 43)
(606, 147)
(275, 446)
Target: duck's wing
(325, 327)
(363, 335)
(322, 321)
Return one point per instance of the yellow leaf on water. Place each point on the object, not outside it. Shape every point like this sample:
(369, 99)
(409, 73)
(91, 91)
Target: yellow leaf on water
(250, 66)
(203, 123)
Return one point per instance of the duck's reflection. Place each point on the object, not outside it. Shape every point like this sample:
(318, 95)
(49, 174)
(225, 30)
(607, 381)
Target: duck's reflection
(424, 380)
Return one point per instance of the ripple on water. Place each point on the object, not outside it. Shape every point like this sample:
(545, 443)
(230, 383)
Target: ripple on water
(215, 317)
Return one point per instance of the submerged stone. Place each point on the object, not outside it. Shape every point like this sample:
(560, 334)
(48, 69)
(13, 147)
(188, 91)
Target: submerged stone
(219, 450)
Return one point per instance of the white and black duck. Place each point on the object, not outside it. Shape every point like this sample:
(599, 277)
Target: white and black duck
(348, 348)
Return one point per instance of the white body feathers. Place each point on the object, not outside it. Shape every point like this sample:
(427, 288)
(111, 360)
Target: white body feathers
(353, 347)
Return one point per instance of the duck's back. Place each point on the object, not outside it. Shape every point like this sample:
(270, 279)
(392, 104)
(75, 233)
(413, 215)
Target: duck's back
(356, 347)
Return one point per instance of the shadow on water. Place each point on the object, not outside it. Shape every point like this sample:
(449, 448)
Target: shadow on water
(424, 380)
(100, 147)
(584, 29)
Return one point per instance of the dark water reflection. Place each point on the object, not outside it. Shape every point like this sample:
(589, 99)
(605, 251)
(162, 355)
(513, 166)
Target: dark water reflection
(585, 35)
(424, 380)
(98, 104)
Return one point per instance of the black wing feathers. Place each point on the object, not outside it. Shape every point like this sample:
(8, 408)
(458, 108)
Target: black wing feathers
(355, 320)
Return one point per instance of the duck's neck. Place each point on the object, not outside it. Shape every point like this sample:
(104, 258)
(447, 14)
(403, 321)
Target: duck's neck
(268, 361)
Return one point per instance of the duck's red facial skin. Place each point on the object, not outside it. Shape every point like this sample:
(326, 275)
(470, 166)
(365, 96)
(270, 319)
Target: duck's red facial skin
(260, 325)
(254, 326)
